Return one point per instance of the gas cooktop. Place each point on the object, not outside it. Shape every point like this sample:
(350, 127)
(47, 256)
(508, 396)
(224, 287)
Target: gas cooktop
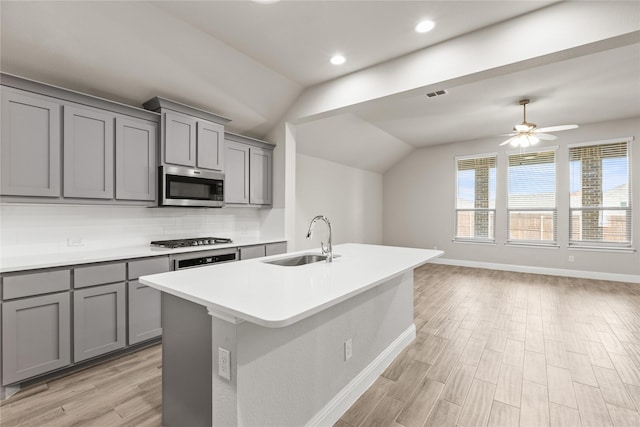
(184, 243)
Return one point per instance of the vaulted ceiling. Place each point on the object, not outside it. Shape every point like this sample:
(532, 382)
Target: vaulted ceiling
(255, 63)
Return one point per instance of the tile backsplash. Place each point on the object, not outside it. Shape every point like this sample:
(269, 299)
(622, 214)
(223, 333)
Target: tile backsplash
(40, 229)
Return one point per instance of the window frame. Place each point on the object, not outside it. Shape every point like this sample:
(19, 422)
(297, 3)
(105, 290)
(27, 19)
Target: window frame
(479, 240)
(595, 244)
(554, 211)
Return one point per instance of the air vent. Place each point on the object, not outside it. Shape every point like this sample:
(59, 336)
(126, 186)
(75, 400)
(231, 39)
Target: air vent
(436, 93)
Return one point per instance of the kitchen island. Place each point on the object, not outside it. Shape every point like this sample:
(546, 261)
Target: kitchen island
(303, 342)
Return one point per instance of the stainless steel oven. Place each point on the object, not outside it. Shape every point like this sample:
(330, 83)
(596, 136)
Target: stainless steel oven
(182, 186)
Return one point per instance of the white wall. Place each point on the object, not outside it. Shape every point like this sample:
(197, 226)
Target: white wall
(419, 194)
(351, 198)
(40, 229)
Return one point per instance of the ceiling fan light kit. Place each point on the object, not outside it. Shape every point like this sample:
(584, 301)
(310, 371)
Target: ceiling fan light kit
(527, 134)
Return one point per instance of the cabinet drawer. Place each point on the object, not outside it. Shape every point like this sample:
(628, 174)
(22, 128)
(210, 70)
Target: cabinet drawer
(276, 248)
(99, 274)
(25, 285)
(248, 252)
(148, 266)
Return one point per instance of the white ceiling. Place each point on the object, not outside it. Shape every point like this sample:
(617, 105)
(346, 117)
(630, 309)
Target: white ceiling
(297, 38)
(593, 88)
(250, 62)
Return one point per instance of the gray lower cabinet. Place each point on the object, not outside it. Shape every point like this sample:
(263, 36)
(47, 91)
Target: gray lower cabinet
(144, 312)
(135, 159)
(144, 302)
(29, 145)
(249, 252)
(99, 320)
(275, 248)
(88, 153)
(36, 336)
(257, 251)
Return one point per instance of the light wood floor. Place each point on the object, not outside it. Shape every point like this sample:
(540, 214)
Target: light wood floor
(492, 348)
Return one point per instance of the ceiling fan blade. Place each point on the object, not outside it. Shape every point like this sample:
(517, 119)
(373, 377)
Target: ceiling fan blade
(555, 128)
(508, 141)
(546, 136)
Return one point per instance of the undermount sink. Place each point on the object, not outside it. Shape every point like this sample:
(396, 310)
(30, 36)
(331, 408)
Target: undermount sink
(299, 260)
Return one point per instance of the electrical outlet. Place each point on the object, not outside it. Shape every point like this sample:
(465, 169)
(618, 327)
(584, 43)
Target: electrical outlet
(224, 363)
(348, 349)
(74, 242)
(571, 258)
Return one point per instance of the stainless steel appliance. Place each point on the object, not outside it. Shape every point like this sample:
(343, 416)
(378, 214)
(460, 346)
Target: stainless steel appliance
(199, 258)
(195, 241)
(182, 186)
(202, 258)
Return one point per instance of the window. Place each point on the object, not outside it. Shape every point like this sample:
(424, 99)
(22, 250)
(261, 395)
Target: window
(600, 204)
(476, 198)
(531, 198)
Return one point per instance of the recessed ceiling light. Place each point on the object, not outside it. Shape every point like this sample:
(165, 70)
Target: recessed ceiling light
(338, 59)
(425, 26)
(266, 1)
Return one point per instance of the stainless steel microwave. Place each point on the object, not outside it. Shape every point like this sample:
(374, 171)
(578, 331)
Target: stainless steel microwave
(183, 186)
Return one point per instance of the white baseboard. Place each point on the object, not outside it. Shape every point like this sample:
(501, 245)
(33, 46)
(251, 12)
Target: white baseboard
(337, 406)
(597, 275)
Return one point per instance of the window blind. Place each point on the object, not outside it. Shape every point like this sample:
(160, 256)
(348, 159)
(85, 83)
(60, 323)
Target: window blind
(600, 195)
(531, 198)
(476, 198)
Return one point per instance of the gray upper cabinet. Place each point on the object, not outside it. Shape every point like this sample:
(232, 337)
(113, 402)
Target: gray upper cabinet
(190, 136)
(59, 146)
(236, 180)
(36, 336)
(136, 142)
(260, 176)
(99, 320)
(30, 145)
(210, 143)
(88, 153)
(179, 139)
(248, 171)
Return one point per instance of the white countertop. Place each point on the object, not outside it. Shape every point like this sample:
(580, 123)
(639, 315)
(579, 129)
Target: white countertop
(31, 262)
(276, 296)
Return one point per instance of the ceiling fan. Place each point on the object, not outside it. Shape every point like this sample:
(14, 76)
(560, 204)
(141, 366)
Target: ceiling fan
(526, 134)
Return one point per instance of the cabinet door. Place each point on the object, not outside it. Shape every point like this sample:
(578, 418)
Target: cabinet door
(30, 145)
(260, 176)
(98, 320)
(179, 139)
(135, 159)
(210, 146)
(236, 180)
(36, 336)
(144, 312)
(88, 153)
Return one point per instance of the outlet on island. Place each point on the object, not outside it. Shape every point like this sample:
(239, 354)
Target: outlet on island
(348, 349)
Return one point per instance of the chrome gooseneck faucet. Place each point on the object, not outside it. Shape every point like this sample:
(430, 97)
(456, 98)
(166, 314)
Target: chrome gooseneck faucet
(328, 251)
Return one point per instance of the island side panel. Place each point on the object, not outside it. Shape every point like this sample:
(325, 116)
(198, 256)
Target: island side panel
(186, 363)
(286, 376)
